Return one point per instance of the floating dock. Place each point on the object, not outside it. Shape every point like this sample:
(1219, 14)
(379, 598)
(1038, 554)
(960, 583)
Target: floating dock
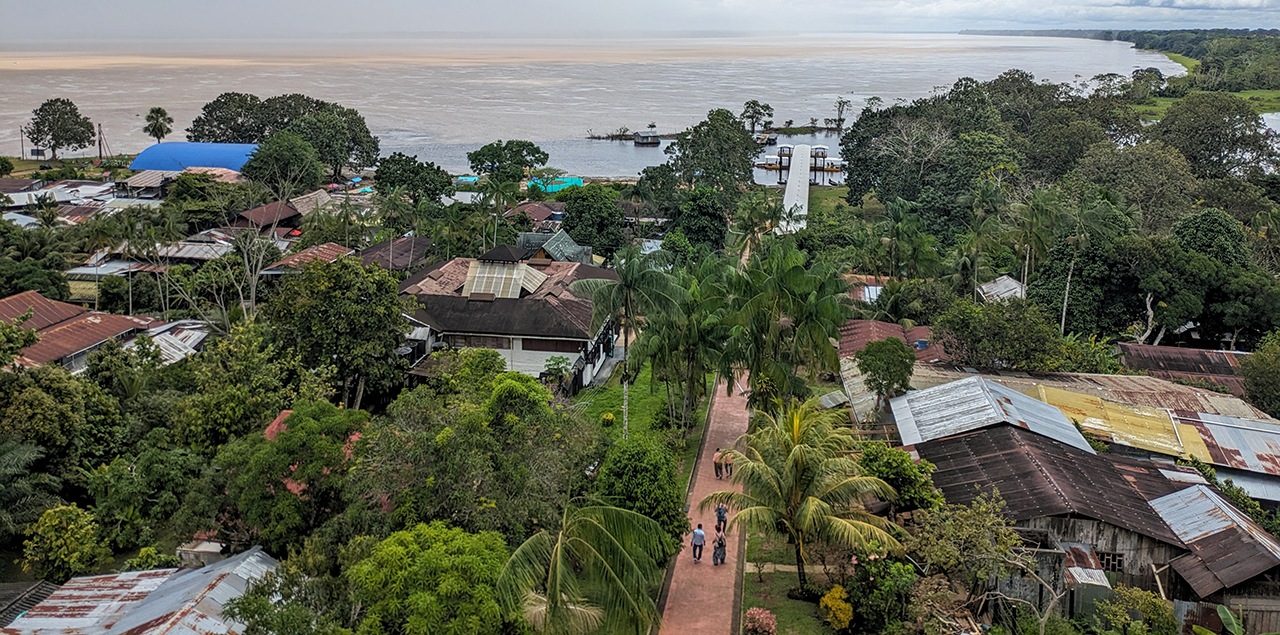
(795, 198)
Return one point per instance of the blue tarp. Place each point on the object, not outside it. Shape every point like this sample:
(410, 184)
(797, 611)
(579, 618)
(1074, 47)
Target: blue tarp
(557, 185)
(180, 155)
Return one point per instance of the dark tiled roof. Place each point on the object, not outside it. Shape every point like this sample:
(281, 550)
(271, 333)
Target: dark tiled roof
(271, 213)
(398, 254)
(538, 211)
(504, 253)
(1171, 362)
(855, 334)
(1039, 477)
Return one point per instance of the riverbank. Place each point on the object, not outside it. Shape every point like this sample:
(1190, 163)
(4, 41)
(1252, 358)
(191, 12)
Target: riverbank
(1263, 102)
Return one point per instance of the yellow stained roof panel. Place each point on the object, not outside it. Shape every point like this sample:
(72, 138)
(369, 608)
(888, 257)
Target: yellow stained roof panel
(1140, 427)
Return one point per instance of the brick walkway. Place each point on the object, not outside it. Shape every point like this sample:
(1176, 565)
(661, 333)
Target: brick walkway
(701, 598)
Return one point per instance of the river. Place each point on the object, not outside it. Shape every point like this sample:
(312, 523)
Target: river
(439, 98)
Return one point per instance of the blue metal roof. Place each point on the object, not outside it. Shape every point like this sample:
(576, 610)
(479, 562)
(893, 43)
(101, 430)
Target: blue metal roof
(180, 155)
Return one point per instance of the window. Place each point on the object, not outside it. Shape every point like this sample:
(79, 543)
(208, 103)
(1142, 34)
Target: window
(1111, 562)
(478, 341)
(551, 346)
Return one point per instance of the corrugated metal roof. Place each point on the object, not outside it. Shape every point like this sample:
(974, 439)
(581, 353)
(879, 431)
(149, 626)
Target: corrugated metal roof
(973, 403)
(21, 220)
(1237, 443)
(1170, 362)
(150, 178)
(1142, 427)
(221, 175)
(401, 253)
(1138, 390)
(44, 312)
(157, 602)
(80, 334)
(1082, 564)
(1038, 477)
(1002, 288)
(269, 214)
(1260, 486)
(327, 252)
(1227, 543)
(179, 155)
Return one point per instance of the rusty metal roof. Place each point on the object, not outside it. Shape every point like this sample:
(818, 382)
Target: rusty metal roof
(269, 214)
(856, 334)
(327, 252)
(156, 602)
(1236, 443)
(1137, 390)
(79, 334)
(1082, 565)
(1227, 547)
(44, 312)
(150, 178)
(1142, 427)
(1171, 362)
(973, 403)
(1039, 477)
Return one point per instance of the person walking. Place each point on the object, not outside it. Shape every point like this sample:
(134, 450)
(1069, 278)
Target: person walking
(722, 520)
(727, 458)
(716, 459)
(717, 548)
(699, 539)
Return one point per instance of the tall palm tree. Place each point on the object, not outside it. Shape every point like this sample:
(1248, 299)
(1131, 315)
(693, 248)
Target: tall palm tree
(159, 124)
(894, 304)
(642, 289)
(1031, 227)
(596, 569)
(757, 214)
(24, 494)
(1079, 225)
(799, 480)
(101, 232)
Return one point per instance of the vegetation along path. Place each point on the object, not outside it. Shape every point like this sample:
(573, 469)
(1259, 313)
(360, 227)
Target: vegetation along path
(701, 599)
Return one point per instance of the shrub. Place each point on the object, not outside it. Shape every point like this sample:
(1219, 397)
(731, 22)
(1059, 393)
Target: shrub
(760, 622)
(148, 558)
(64, 543)
(835, 609)
(1154, 614)
(607, 419)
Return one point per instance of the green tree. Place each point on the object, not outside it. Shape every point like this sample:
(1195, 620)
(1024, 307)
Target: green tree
(25, 494)
(1011, 334)
(62, 544)
(14, 338)
(419, 180)
(6, 167)
(340, 137)
(286, 164)
(754, 112)
(432, 578)
(639, 474)
(1220, 134)
(72, 419)
(58, 124)
(1262, 375)
(593, 217)
(139, 491)
(1215, 234)
(886, 366)
(510, 161)
(149, 558)
(598, 567)
(702, 219)
(279, 490)
(909, 478)
(642, 289)
(242, 383)
(1154, 615)
(798, 481)
(1153, 176)
(159, 124)
(347, 316)
(716, 153)
(970, 544)
(229, 118)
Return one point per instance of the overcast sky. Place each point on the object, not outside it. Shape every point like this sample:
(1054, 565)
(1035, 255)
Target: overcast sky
(130, 20)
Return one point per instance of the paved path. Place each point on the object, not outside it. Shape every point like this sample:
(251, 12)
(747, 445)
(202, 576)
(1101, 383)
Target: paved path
(701, 599)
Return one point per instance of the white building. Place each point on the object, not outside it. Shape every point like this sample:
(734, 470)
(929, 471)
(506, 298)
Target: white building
(521, 307)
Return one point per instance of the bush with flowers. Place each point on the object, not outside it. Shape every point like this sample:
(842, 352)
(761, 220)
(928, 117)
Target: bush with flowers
(835, 609)
(760, 622)
(879, 591)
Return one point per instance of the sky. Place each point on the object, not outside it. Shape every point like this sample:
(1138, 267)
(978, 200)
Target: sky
(135, 22)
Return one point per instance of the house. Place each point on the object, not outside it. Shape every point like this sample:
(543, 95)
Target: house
(546, 215)
(402, 254)
(559, 247)
(221, 175)
(270, 216)
(1186, 364)
(865, 288)
(1002, 288)
(647, 138)
(155, 602)
(21, 220)
(523, 308)
(308, 203)
(856, 334)
(176, 341)
(327, 252)
(146, 184)
(13, 186)
(68, 333)
(180, 155)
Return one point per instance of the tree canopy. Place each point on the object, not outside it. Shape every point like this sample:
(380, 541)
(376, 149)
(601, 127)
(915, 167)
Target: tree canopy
(58, 125)
(507, 162)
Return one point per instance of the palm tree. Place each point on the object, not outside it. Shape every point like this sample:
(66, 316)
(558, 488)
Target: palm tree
(1031, 227)
(597, 569)
(24, 494)
(799, 480)
(101, 233)
(894, 304)
(1078, 226)
(159, 124)
(642, 288)
(758, 213)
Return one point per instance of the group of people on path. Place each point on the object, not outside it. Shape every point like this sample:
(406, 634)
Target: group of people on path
(724, 468)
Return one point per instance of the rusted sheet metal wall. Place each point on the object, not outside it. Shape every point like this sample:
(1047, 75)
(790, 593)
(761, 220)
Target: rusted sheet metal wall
(1140, 552)
(1191, 614)
(1260, 615)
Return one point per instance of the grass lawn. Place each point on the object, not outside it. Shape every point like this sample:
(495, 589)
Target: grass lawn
(1263, 101)
(1186, 62)
(794, 616)
(762, 548)
(823, 198)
